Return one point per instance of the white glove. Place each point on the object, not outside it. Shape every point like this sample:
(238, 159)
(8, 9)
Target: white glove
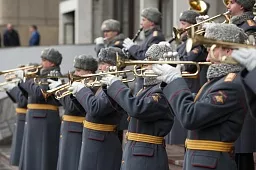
(19, 74)
(54, 73)
(128, 43)
(53, 84)
(99, 40)
(246, 57)
(76, 87)
(8, 86)
(166, 72)
(109, 79)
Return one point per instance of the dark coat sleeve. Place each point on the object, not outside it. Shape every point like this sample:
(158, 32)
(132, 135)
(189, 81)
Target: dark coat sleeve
(249, 84)
(17, 38)
(17, 97)
(31, 88)
(206, 111)
(5, 39)
(146, 109)
(249, 79)
(95, 105)
(139, 51)
(197, 54)
(71, 104)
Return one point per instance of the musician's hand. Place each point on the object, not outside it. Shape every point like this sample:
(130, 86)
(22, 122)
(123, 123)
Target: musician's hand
(109, 79)
(76, 87)
(99, 40)
(246, 57)
(53, 84)
(19, 74)
(54, 73)
(128, 43)
(166, 72)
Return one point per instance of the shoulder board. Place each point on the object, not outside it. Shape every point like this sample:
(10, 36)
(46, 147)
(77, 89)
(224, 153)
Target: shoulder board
(155, 33)
(251, 22)
(117, 42)
(230, 77)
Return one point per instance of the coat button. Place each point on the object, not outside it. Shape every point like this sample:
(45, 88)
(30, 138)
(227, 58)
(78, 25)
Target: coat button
(122, 161)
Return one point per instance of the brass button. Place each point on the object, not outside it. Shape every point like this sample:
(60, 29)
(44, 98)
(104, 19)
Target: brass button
(122, 161)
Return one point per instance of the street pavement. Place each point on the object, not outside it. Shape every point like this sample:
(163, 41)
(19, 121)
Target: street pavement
(175, 156)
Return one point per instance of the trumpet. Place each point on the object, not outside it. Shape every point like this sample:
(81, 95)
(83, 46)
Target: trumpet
(200, 6)
(89, 80)
(177, 32)
(11, 81)
(142, 73)
(25, 68)
(112, 70)
(197, 39)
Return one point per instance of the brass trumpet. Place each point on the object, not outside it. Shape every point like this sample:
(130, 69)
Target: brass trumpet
(89, 80)
(177, 32)
(197, 39)
(25, 68)
(11, 81)
(140, 63)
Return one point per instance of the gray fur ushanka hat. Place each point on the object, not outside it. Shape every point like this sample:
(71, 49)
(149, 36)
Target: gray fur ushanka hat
(152, 14)
(189, 16)
(225, 32)
(247, 4)
(85, 62)
(156, 51)
(52, 55)
(110, 25)
(108, 55)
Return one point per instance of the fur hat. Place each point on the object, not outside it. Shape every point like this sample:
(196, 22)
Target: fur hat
(152, 14)
(225, 32)
(247, 4)
(85, 62)
(157, 51)
(110, 25)
(108, 55)
(189, 16)
(52, 55)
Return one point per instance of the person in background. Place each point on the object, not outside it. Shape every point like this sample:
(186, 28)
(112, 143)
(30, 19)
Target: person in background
(11, 37)
(35, 36)
(112, 36)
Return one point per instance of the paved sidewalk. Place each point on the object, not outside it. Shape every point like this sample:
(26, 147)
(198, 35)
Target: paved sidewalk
(175, 157)
(4, 158)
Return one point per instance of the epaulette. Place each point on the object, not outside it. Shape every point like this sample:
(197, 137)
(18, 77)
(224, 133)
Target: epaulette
(251, 22)
(155, 33)
(117, 42)
(230, 77)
